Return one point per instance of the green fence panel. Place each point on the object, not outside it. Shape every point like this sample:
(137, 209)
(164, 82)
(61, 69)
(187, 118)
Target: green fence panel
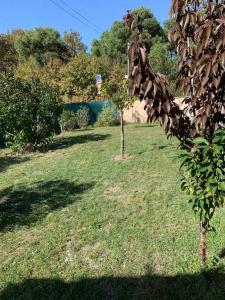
(95, 107)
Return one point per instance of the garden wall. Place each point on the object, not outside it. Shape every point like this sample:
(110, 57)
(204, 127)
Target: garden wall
(135, 114)
(95, 107)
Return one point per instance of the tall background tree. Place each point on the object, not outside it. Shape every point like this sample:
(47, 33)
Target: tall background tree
(78, 78)
(113, 43)
(164, 62)
(42, 53)
(43, 44)
(8, 53)
(74, 43)
(49, 73)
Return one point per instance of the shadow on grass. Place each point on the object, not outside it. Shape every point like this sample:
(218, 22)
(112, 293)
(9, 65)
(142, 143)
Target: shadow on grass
(7, 161)
(22, 205)
(66, 142)
(144, 125)
(162, 147)
(205, 286)
(222, 253)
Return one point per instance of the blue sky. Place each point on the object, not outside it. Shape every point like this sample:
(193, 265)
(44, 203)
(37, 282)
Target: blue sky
(28, 14)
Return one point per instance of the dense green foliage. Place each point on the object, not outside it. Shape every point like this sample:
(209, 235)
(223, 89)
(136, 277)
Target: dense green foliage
(164, 61)
(41, 44)
(68, 120)
(78, 78)
(71, 120)
(113, 43)
(45, 43)
(48, 73)
(159, 58)
(204, 175)
(8, 55)
(74, 43)
(83, 117)
(61, 62)
(29, 111)
(109, 116)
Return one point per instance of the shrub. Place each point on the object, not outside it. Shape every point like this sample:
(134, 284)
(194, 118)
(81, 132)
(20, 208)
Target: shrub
(68, 120)
(109, 116)
(83, 117)
(29, 111)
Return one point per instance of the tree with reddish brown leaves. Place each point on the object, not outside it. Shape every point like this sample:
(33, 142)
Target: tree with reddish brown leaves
(200, 38)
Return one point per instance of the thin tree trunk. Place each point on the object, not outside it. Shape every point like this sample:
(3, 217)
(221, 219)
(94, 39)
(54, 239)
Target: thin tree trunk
(122, 134)
(202, 245)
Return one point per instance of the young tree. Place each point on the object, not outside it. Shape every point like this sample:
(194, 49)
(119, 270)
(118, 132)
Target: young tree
(116, 90)
(199, 34)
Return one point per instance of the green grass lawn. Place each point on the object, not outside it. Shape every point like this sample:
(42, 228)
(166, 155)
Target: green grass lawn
(78, 223)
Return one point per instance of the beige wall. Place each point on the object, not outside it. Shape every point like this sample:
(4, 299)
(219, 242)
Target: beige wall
(137, 114)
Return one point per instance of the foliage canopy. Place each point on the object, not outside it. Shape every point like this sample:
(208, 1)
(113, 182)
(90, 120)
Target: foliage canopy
(29, 111)
(113, 43)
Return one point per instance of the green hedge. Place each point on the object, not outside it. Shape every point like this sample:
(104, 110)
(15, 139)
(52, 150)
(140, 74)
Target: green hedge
(29, 112)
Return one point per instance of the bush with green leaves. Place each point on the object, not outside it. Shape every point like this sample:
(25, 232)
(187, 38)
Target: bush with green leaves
(203, 178)
(68, 120)
(29, 111)
(109, 116)
(83, 117)
(204, 175)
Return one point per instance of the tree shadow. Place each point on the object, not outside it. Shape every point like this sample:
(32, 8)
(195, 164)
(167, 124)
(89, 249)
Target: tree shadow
(144, 125)
(222, 253)
(208, 285)
(22, 205)
(85, 129)
(7, 161)
(66, 142)
(162, 147)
